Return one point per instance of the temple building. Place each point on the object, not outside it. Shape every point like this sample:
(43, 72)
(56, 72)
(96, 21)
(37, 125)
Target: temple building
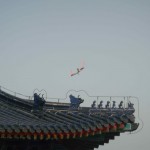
(41, 125)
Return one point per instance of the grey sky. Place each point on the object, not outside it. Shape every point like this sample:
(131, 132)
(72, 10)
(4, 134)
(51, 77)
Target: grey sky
(42, 41)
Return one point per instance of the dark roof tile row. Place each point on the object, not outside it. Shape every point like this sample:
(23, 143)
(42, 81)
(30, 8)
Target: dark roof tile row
(18, 121)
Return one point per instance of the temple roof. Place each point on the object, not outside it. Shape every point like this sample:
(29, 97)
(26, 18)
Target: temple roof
(70, 129)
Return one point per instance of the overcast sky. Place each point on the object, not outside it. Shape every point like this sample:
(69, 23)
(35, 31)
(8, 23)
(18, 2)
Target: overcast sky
(41, 41)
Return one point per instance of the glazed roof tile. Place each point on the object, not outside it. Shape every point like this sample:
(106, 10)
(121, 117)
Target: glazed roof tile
(16, 116)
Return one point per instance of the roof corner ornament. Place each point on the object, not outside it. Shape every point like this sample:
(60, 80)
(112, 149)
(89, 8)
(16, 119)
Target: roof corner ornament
(114, 104)
(107, 105)
(100, 104)
(130, 105)
(120, 105)
(75, 101)
(93, 104)
(38, 102)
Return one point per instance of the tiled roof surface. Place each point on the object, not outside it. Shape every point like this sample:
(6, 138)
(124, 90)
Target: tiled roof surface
(60, 128)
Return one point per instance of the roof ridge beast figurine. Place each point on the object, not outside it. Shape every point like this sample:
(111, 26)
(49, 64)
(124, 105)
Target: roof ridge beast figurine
(75, 102)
